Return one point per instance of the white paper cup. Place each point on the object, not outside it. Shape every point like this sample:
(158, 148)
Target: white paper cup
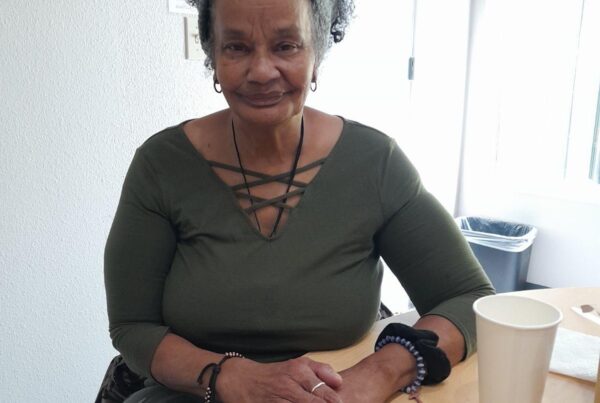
(515, 336)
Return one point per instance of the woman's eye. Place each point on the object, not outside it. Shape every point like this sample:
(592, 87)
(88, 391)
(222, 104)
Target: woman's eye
(287, 47)
(235, 47)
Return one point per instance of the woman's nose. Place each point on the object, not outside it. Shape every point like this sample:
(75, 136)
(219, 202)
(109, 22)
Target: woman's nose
(262, 68)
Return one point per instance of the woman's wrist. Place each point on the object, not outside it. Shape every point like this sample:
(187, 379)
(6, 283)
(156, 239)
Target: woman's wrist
(213, 378)
(394, 366)
(433, 366)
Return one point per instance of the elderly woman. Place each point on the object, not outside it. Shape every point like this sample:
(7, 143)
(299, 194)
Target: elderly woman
(257, 231)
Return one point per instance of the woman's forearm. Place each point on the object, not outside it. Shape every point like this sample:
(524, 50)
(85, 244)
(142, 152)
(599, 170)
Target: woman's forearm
(400, 365)
(177, 364)
(396, 365)
(385, 372)
(451, 340)
(378, 376)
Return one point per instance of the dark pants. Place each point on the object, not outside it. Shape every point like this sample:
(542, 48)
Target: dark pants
(154, 393)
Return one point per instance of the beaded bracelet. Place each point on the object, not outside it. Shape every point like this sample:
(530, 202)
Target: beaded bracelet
(211, 390)
(425, 341)
(421, 369)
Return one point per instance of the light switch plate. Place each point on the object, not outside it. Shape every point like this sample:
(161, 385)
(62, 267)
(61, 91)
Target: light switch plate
(193, 49)
(181, 7)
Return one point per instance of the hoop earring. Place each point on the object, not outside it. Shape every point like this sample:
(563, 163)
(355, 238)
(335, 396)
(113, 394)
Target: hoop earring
(217, 90)
(313, 85)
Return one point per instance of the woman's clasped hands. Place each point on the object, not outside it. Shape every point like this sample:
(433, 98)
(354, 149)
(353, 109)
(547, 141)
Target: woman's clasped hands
(299, 380)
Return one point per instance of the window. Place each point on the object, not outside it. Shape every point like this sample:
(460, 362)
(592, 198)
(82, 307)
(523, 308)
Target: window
(582, 162)
(546, 66)
(365, 77)
(595, 165)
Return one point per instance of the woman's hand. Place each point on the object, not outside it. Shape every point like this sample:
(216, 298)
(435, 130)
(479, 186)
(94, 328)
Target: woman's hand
(246, 381)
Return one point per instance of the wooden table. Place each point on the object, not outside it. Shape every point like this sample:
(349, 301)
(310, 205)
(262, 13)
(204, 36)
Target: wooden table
(461, 386)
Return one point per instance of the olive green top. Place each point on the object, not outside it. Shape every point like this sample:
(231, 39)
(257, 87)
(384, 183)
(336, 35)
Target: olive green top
(182, 256)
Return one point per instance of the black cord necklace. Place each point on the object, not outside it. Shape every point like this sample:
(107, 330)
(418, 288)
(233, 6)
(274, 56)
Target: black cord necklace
(291, 180)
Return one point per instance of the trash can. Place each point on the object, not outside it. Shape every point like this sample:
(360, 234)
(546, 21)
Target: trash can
(502, 248)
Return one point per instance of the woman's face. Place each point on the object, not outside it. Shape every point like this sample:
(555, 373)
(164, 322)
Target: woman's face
(264, 59)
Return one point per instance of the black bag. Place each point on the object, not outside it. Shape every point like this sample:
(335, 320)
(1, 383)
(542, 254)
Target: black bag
(119, 382)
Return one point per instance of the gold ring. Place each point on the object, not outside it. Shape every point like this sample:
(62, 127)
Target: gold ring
(318, 385)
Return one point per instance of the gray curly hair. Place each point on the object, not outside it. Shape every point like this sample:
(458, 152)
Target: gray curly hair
(329, 20)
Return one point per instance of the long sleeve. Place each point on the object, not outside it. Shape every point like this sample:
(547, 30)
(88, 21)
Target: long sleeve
(138, 255)
(425, 249)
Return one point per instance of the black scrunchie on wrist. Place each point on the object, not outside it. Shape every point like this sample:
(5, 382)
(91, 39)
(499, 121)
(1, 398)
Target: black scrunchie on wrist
(425, 341)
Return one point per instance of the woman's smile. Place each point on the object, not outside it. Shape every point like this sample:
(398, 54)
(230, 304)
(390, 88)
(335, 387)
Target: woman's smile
(263, 99)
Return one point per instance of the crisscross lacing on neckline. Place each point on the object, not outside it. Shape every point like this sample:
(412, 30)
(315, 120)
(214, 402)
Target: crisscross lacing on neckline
(262, 178)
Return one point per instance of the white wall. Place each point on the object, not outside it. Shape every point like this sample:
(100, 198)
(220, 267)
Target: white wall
(433, 141)
(82, 84)
(567, 250)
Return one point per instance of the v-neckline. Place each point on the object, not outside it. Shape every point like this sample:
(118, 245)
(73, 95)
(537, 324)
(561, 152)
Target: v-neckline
(232, 197)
